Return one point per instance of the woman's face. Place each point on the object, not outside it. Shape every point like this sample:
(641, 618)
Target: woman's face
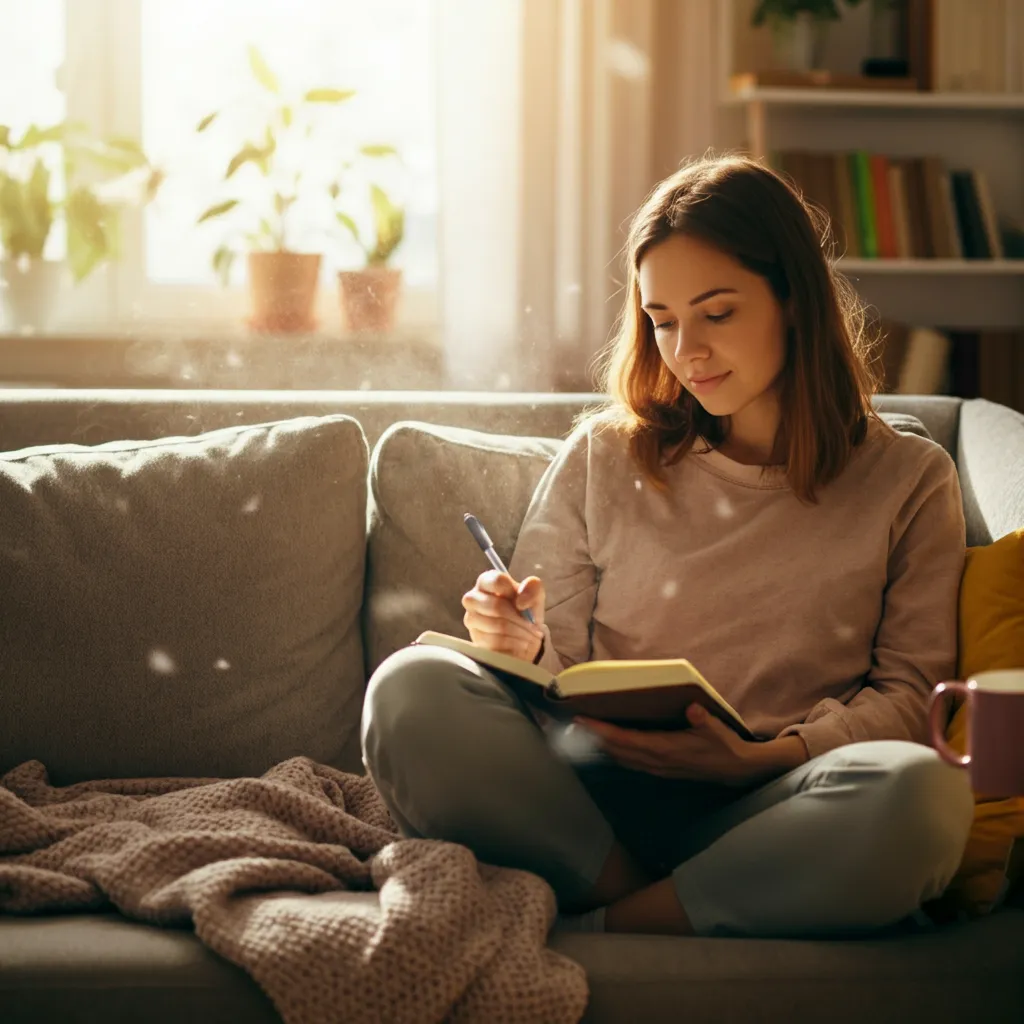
(718, 326)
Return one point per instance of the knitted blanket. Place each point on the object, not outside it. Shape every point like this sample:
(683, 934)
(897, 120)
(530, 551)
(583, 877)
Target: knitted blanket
(252, 863)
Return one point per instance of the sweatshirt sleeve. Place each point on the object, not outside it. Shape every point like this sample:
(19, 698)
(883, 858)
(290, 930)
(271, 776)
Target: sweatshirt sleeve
(553, 545)
(915, 643)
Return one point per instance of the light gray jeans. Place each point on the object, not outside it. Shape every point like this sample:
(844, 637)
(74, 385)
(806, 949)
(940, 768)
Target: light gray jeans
(852, 841)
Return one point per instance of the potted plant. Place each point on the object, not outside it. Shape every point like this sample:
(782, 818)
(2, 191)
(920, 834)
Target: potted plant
(282, 278)
(798, 28)
(369, 296)
(120, 175)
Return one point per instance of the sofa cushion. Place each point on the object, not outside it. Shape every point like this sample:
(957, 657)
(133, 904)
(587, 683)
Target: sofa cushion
(186, 606)
(991, 636)
(422, 558)
(990, 460)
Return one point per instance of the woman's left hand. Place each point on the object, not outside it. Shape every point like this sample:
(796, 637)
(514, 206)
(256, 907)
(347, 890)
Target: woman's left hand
(708, 751)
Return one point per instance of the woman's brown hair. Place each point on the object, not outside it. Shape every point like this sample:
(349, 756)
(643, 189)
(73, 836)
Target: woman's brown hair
(750, 213)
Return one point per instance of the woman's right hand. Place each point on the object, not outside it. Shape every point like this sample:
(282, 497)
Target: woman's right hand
(492, 614)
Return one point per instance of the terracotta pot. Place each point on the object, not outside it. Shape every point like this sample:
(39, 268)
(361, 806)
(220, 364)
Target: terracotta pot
(282, 286)
(28, 293)
(369, 297)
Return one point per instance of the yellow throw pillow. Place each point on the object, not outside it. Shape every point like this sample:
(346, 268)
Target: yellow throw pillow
(991, 636)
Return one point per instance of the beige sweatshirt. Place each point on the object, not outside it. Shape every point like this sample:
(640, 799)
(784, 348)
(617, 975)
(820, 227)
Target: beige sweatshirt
(833, 621)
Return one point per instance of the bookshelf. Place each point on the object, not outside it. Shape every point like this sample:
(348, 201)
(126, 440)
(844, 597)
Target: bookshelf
(981, 131)
(932, 266)
(757, 98)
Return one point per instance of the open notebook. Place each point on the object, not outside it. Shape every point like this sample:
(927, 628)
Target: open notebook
(635, 694)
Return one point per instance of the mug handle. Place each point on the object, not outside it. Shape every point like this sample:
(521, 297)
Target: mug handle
(935, 707)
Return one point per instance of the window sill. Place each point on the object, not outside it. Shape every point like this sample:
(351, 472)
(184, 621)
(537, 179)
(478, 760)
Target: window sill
(404, 359)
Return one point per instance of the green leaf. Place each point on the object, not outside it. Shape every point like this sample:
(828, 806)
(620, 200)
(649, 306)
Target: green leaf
(251, 153)
(26, 212)
(217, 210)
(36, 136)
(248, 153)
(90, 234)
(14, 229)
(261, 71)
(334, 190)
(329, 95)
(206, 122)
(377, 150)
(10, 210)
(287, 116)
(39, 206)
(389, 221)
(281, 203)
(118, 158)
(5, 136)
(346, 221)
(223, 260)
(127, 145)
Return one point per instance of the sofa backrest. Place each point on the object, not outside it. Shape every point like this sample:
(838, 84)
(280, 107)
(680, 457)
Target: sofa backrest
(40, 416)
(30, 417)
(987, 442)
(418, 557)
(989, 452)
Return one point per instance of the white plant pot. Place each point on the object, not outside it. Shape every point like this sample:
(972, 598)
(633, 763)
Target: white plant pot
(28, 293)
(799, 43)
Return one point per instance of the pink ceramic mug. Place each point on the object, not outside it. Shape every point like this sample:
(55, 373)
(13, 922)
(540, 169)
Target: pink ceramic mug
(995, 734)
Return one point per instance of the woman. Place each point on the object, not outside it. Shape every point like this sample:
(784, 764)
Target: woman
(740, 505)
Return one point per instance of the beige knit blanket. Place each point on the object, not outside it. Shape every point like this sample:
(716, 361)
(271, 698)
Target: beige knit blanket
(251, 863)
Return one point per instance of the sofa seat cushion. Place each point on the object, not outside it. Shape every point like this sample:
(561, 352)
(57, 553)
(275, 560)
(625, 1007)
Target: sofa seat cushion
(101, 967)
(186, 606)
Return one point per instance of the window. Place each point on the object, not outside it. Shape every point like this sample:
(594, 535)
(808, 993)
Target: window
(151, 69)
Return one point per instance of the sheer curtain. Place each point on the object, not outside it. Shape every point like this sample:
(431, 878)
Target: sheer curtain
(557, 117)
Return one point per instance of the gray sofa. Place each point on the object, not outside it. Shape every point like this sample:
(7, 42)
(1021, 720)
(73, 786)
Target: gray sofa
(101, 967)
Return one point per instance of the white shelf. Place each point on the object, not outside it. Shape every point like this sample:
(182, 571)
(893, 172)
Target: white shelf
(933, 266)
(897, 99)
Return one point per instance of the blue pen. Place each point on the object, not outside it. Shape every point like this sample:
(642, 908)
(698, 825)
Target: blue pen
(480, 536)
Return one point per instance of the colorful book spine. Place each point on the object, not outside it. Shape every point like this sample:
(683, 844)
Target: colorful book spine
(847, 205)
(939, 210)
(879, 168)
(970, 222)
(988, 212)
(860, 170)
(917, 203)
(900, 210)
